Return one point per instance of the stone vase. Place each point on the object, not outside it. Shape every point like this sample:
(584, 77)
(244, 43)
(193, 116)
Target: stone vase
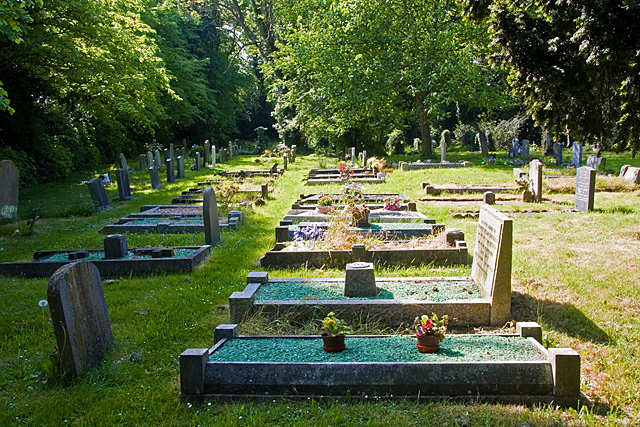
(428, 343)
(333, 343)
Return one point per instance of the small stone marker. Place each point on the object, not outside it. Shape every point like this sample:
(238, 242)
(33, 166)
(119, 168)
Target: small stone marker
(557, 153)
(9, 180)
(353, 155)
(79, 315)
(98, 194)
(123, 162)
(142, 162)
(515, 146)
(155, 177)
(210, 214)
(150, 161)
(197, 165)
(453, 235)
(524, 153)
(596, 162)
(491, 268)
(207, 152)
(585, 188)
(360, 280)
(171, 176)
(576, 154)
(180, 167)
(294, 154)
(264, 189)
(157, 156)
(630, 173)
(489, 197)
(124, 189)
(535, 179)
(443, 150)
(115, 246)
(213, 156)
(285, 161)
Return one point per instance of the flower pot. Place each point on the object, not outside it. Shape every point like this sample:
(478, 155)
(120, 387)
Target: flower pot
(428, 343)
(333, 343)
(323, 209)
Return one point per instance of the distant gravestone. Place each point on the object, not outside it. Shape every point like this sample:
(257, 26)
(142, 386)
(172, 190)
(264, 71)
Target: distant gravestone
(157, 158)
(142, 162)
(524, 153)
(115, 246)
(171, 151)
(207, 152)
(515, 146)
(9, 180)
(576, 154)
(353, 155)
(535, 179)
(360, 280)
(165, 155)
(585, 188)
(364, 158)
(489, 197)
(285, 161)
(171, 176)
(230, 150)
(123, 162)
(630, 173)
(491, 268)
(443, 149)
(264, 191)
(124, 189)
(213, 156)
(211, 219)
(155, 177)
(557, 153)
(294, 153)
(149, 159)
(98, 194)
(79, 315)
(596, 162)
(180, 167)
(197, 165)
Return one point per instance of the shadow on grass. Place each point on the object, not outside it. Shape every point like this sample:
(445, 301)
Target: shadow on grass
(562, 317)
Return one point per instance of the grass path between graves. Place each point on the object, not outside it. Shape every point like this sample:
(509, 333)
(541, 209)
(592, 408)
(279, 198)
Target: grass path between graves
(577, 274)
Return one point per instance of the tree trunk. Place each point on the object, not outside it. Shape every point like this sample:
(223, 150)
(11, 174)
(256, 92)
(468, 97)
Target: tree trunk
(484, 148)
(425, 129)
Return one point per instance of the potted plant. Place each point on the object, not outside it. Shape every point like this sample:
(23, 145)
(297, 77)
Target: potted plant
(377, 165)
(430, 332)
(345, 170)
(324, 204)
(360, 216)
(333, 332)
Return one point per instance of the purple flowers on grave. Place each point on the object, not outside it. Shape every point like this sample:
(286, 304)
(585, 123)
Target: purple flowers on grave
(309, 232)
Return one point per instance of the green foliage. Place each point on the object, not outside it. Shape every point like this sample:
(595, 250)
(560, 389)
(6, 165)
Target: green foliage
(395, 142)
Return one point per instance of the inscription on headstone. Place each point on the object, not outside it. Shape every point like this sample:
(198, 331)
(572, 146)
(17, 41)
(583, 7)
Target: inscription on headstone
(9, 180)
(211, 219)
(585, 188)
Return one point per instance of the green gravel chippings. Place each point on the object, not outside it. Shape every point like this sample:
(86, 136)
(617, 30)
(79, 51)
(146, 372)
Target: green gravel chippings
(397, 348)
(95, 256)
(153, 221)
(420, 290)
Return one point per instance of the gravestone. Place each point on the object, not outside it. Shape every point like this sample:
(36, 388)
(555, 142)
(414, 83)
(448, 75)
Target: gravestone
(443, 149)
(142, 162)
(180, 167)
(515, 146)
(207, 151)
(364, 158)
(353, 155)
(360, 280)
(197, 165)
(585, 188)
(210, 214)
(557, 153)
(491, 268)
(150, 159)
(576, 154)
(79, 316)
(98, 194)
(264, 191)
(124, 189)
(171, 151)
(157, 156)
(165, 155)
(596, 162)
(294, 153)
(524, 153)
(171, 176)
(213, 156)
(630, 173)
(123, 162)
(285, 160)
(9, 180)
(489, 197)
(230, 150)
(535, 179)
(115, 246)
(155, 177)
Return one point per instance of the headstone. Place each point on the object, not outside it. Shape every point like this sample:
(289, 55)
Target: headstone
(155, 177)
(9, 180)
(124, 189)
(585, 188)
(79, 316)
(123, 162)
(576, 154)
(285, 160)
(98, 194)
(453, 235)
(180, 167)
(142, 162)
(360, 280)
(171, 176)
(535, 179)
(353, 155)
(165, 155)
(294, 153)
(524, 152)
(596, 162)
(264, 191)
(230, 150)
(115, 246)
(491, 267)
(364, 158)
(211, 220)
(213, 156)
(515, 146)
(207, 152)
(171, 151)
(557, 153)
(157, 156)
(443, 150)
(489, 197)
(150, 159)
(630, 173)
(197, 165)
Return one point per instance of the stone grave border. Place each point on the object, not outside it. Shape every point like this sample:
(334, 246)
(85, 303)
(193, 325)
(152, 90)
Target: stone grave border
(285, 233)
(435, 190)
(375, 216)
(554, 380)
(338, 180)
(128, 225)
(404, 166)
(194, 195)
(40, 267)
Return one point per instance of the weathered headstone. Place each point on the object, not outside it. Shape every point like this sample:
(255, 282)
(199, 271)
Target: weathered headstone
(285, 160)
(142, 162)
(524, 153)
(294, 153)
(489, 197)
(630, 173)
(150, 161)
(353, 155)
(207, 152)
(158, 160)
(180, 167)
(535, 179)
(80, 317)
(210, 214)
(197, 165)
(213, 156)
(230, 150)
(165, 156)
(124, 189)
(596, 162)
(364, 158)
(171, 176)
(98, 194)
(264, 191)
(123, 162)
(515, 146)
(9, 180)
(155, 177)
(585, 188)
(557, 153)
(115, 246)
(491, 268)
(171, 151)
(360, 280)
(443, 150)
(576, 154)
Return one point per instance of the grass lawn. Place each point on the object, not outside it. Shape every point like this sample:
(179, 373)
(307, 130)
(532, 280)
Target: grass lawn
(577, 274)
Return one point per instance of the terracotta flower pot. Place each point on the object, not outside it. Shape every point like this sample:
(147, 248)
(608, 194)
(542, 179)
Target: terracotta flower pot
(333, 344)
(324, 209)
(428, 343)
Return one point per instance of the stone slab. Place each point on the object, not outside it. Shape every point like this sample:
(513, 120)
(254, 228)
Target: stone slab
(585, 188)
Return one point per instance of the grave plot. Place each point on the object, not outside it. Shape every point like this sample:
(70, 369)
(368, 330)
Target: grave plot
(274, 171)
(116, 259)
(513, 368)
(466, 189)
(375, 216)
(340, 179)
(381, 230)
(404, 166)
(170, 224)
(194, 195)
(371, 200)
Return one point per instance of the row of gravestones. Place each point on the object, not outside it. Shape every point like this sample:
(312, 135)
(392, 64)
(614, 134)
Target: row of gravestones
(593, 161)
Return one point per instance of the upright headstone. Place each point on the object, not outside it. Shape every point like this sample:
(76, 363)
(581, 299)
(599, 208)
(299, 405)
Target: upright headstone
(79, 316)
(213, 156)
(158, 160)
(115, 246)
(207, 151)
(180, 167)
(557, 153)
(294, 153)
(264, 191)
(171, 151)
(585, 188)
(576, 154)
(9, 180)
(230, 150)
(515, 146)
(98, 194)
(124, 189)
(142, 162)
(489, 197)
(197, 165)
(596, 162)
(171, 176)
(150, 161)
(155, 177)
(524, 152)
(123, 162)
(443, 150)
(211, 220)
(165, 156)
(285, 160)
(630, 173)
(364, 158)
(353, 155)
(535, 179)
(491, 267)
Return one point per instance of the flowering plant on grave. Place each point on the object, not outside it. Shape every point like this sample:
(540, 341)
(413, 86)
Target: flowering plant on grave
(311, 232)
(345, 169)
(433, 325)
(332, 326)
(376, 164)
(325, 201)
(352, 192)
(392, 205)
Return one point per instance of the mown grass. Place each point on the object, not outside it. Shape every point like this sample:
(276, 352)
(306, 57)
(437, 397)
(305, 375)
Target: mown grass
(577, 274)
